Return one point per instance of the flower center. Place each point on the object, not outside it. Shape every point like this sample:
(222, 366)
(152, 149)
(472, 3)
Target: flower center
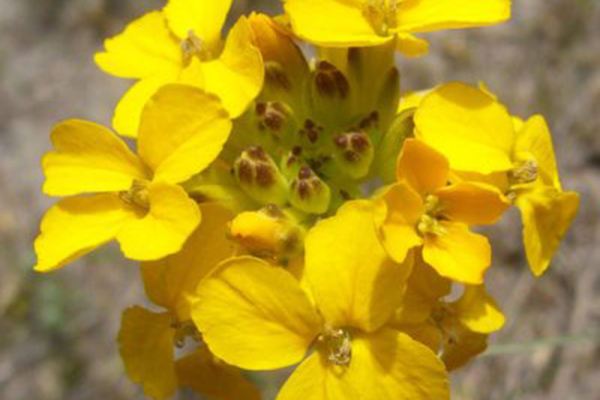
(338, 345)
(524, 172)
(193, 46)
(184, 330)
(381, 14)
(137, 195)
(430, 221)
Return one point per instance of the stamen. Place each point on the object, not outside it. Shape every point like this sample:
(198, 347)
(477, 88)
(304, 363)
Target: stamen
(338, 344)
(193, 46)
(381, 14)
(183, 331)
(525, 172)
(137, 195)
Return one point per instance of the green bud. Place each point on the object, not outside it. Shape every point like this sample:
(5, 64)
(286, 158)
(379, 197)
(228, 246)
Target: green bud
(330, 95)
(353, 153)
(389, 148)
(292, 162)
(274, 123)
(309, 193)
(258, 175)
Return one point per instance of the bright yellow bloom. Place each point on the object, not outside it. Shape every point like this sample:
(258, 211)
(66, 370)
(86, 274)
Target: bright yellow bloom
(422, 209)
(182, 44)
(256, 316)
(148, 339)
(346, 23)
(478, 135)
(135, 199)
(458, 329)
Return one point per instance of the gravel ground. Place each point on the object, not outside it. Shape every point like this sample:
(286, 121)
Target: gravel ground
(58, 331)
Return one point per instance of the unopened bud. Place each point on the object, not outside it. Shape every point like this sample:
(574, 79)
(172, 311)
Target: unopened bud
(353, 153)
(391, 144)
(309, 193)
(292, 162)
(268, 232)
(330, 94)
(260, 178)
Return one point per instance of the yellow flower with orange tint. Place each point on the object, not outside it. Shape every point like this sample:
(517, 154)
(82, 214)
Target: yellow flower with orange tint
(135, 199)
(182, 44)
(256, 316)
(149, 340)
(422, 209)
(458, 329)
(356, 23)
(484, 142)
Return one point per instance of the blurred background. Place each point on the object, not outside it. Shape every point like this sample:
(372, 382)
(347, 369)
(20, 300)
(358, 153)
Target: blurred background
(57, 332)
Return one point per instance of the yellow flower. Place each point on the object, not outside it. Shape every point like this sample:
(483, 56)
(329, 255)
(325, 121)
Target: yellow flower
(459, 329)
(135, 199)
(256, 316)
(148, 339)
(182, 44)
(479, 137)
(356, 23)
(422, 209)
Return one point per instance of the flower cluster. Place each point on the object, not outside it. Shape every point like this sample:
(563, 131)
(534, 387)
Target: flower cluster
(294, 210)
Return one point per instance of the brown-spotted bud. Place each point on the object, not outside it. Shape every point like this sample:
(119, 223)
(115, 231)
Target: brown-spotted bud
(292, 162)
(330, 95)
(353, 153)
(309, 193)
(285, 66)
(260, 178)
(268, 232)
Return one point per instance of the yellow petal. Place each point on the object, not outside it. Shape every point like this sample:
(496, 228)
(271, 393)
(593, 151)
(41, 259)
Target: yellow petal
(433, 15)
(534, 138)
(204, 18)
(403, 208)
(315, 379)
(411, 46)
(237, 76)
(425, 333)
(254, 315)
(88, 158)
(182, 131)
(128, 112)
(171, 281)
(472, 203)
(463, 348)
(312, 21)
(468, 126)
(171, 219)
(425, 169)
(459, 254)
(212, 378)
(547, 215)
(146, 344)
(354, 281)
(76, 226)
(424, 290)
(478, 311)
(144, 49)
(389, 365)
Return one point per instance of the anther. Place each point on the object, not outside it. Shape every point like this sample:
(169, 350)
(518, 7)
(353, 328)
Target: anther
(338, 345)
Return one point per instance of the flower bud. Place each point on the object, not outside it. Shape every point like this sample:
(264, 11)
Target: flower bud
(309, 193)
(260, 178)
(353, 153)
(330, 95)
(292, 162)
(268, 232)
(286, 69)
(387, 153)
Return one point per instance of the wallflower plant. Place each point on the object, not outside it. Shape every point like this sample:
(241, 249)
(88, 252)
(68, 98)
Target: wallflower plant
(298, 211)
